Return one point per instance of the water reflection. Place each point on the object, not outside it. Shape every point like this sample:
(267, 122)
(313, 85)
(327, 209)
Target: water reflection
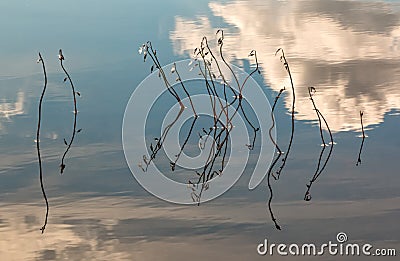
(122, 228)
(9, 109)
(348, 50)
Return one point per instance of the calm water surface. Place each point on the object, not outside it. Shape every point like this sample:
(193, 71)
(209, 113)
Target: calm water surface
(348, 50)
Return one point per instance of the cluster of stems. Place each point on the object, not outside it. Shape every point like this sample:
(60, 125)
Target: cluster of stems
(210, 69)
(272, 173)
(68, 144)
(210, 66)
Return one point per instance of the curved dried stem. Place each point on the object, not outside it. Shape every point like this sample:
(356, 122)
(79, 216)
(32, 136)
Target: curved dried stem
(38, 142)
(363, 139)
(173, 164)
(159, 144)
(287, 68)
(319, 169)
(69, 144)
(270, 173)
(148, 51)
(221, 44)
(186, 92)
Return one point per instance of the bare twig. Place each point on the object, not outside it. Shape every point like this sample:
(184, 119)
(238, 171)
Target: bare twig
(363, 138)
(270, 173)
(38, 142)
(69, 144)
(319, 169)
(287, 68)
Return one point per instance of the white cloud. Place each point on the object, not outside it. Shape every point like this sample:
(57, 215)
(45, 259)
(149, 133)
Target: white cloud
(347, 50)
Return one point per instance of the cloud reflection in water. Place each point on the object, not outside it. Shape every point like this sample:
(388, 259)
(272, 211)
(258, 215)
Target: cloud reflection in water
(348, 50)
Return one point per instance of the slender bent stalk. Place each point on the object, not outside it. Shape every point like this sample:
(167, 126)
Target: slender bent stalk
(363, 138)
(286, 65)
(269, 174)
(185, 142)
(69, 144)
(319, 169)
(38, 143)
(147, 50)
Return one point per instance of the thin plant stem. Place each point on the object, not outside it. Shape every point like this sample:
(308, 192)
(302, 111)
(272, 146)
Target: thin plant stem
(270, 172)
(38, 142)
(187, 93)
(363, 139)
(319, 169)
(185, 142)
(69, 144)
(287, 68)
